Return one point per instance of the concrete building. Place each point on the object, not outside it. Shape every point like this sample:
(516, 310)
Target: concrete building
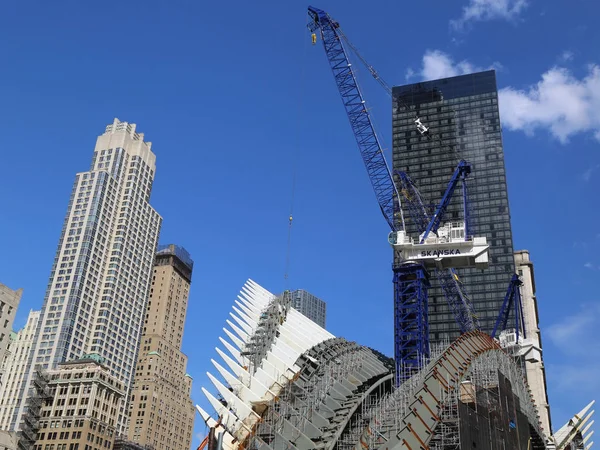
(83, 410)
(311, 306)
(9, 302)
(8, 440)
(531, 347)
(20, 347)
(99, 284)
(161, 410)
(463, 111)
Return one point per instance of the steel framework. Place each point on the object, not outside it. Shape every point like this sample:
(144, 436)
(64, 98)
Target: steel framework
(411, 331)
(512, 299)
(358, 115)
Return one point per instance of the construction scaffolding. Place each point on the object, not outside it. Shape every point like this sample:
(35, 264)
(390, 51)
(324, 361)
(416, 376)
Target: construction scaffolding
(384, 415)
(122, 443)
(262, 339)
(30, 425)
(295, 386)
(479, 390)
(318, 403)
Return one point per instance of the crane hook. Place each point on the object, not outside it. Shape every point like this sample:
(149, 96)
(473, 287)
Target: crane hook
(314, 38)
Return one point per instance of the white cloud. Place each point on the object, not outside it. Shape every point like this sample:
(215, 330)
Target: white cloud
(575, 336)
(560, 102)
(589, 265)
(437, 64)
(566, 56)
(587, 175)
(577, 329)
(575, 379)
(483, 10)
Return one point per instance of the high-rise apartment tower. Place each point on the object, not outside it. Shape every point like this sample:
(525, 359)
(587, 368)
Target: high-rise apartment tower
(463, 110)
(98, 289)
(162, 412)
(311, 306)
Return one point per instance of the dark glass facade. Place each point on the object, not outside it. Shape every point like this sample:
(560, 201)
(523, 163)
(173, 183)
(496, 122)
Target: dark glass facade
(463, 111)
(311, 306)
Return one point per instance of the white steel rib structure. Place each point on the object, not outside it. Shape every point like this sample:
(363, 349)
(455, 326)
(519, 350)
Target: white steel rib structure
(286, 383)
(576, 433)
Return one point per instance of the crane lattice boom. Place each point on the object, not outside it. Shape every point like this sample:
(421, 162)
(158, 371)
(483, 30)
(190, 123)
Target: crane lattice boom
(358, 115)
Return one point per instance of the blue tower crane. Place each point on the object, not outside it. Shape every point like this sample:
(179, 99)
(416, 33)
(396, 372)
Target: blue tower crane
(512, 299)
(411, 281)
(360, 120)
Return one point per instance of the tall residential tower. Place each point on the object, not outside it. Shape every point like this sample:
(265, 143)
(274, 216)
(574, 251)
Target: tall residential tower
(97, 293)
(161, 410)
(311, 306)
(463, 111)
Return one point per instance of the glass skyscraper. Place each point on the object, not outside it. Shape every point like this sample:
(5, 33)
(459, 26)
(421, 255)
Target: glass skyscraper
(312, 307)
(463, 111)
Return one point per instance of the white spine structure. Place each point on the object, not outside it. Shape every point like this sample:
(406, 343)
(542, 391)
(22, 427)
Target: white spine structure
(284, 383)
(265, 338)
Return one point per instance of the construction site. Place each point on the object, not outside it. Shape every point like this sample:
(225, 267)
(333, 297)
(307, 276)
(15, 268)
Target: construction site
(284, 382)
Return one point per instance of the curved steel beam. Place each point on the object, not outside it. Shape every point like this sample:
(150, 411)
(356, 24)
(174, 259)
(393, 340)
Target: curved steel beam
(444, 374)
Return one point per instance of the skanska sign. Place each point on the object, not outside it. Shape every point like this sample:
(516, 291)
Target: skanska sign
(437, 253)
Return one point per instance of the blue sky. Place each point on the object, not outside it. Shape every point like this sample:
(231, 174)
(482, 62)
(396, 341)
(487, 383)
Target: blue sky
(235, 100)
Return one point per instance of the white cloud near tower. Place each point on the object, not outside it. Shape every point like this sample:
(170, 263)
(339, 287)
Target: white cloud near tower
(559, 102)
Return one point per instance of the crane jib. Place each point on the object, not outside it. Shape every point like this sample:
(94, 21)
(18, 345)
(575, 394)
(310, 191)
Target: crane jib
(358, 116)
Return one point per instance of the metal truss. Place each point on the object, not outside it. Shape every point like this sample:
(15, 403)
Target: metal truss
(458, 300)
(358, 115)
(411, 331)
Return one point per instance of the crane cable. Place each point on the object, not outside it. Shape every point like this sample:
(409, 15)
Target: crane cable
(294, 164)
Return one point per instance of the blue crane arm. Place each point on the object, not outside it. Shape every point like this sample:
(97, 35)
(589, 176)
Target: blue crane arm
(512, 298)
(462, 170)
(358, 115)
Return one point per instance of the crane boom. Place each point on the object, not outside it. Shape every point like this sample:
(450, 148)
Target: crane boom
(462, 170)
(358, 115)
(369, 67)
(512, 299)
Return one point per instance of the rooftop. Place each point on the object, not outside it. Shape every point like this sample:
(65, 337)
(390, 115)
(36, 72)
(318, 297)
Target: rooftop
(178, 251)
